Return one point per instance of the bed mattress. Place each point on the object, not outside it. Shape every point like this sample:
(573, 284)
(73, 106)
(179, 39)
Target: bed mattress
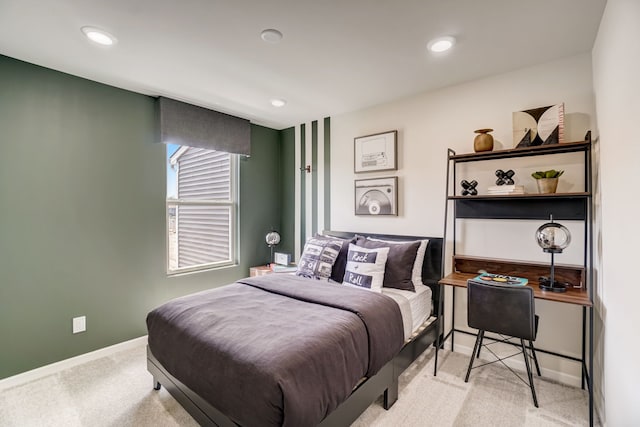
(415, 307)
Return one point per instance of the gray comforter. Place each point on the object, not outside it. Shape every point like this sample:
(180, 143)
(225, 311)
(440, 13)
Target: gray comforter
(276, 349)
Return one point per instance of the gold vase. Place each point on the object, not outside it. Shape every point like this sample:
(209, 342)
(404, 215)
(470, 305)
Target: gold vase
(483, 141)
(547, 185)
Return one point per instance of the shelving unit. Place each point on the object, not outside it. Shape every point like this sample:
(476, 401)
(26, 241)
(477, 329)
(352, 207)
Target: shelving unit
(576, 206)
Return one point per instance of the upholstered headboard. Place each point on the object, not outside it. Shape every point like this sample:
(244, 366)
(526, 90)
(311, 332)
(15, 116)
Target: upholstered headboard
(432, 265)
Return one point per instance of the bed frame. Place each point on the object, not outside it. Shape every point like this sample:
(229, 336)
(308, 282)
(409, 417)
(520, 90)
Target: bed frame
(385, 382)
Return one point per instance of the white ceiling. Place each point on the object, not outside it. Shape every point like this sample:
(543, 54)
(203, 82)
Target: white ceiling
(336, 55)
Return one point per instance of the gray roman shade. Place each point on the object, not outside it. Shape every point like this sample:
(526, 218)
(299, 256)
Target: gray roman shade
(186, 124)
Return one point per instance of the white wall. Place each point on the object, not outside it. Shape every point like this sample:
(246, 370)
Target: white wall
(616, 67)
(427, 125)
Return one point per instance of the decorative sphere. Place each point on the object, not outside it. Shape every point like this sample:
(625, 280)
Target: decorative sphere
(553, 237)
(272, 238)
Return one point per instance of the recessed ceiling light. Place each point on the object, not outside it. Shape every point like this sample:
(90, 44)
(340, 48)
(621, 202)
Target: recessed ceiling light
(441, 44)
(278, 102)
(99, 36)
(271, 36)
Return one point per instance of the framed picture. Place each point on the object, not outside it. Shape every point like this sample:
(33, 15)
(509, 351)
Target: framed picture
(376, 152)
(377, 196)
(538, 126)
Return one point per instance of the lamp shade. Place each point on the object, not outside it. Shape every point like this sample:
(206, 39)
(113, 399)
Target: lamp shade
(272, 238)
(553, 237)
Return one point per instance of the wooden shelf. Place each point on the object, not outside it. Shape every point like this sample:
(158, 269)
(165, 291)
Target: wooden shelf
(539, 150)
(578, 195)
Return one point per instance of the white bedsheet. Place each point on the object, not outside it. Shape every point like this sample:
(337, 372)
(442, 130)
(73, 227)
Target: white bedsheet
(414, 306)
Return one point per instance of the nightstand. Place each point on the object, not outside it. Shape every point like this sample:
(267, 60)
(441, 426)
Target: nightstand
(259, 270)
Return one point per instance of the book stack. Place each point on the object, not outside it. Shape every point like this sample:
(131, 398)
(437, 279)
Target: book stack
(505, 189)
(277, 268)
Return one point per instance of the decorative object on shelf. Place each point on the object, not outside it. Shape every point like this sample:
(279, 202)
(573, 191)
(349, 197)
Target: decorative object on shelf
(483, 141)
(376, 196)
(539, 126)
(547, 181)
(376, 152)
(505, 178)
(495, 190)
(469, 188)
(272, 238)
(553, 238)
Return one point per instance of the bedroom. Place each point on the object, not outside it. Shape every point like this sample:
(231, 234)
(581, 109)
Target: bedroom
(84, 223)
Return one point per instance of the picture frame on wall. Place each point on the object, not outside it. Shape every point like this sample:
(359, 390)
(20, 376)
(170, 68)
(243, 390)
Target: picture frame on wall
(377, 152)
(378, 196)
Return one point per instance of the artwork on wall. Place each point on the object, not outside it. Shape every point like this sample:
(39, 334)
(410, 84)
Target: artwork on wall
(377, 196)
(376, 152)
(538, 126)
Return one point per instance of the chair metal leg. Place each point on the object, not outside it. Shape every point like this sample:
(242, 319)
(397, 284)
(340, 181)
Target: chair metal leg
(526, 362)
(481, 335)
(535, 359)
(473, 355)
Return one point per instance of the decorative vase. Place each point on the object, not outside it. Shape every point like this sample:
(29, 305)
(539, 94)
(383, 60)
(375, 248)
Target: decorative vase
(547, 185)
(483, 141)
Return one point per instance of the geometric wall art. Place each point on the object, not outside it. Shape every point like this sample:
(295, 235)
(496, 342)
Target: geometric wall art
(539, 126)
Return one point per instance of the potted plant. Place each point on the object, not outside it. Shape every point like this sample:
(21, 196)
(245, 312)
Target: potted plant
(547, 181)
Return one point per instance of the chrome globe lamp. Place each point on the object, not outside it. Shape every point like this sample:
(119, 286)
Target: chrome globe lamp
(553, 238)
(272, 238)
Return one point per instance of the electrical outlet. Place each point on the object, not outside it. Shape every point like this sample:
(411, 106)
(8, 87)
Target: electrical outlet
(79, 324)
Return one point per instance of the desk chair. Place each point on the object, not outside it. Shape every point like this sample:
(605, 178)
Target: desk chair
(506, 310)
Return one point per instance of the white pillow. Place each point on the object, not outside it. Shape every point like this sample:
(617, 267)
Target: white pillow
(365, 267)
(416, 272)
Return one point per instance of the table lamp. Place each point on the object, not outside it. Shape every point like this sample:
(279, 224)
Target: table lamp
(272, 238)
(553, 238)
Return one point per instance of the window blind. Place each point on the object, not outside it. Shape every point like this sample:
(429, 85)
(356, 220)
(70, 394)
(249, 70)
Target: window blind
(186, 124)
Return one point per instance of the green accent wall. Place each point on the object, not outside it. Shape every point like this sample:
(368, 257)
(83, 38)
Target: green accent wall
(82, 209)
(327, 173)
(314, 177)
(303, 184)
(287, 190)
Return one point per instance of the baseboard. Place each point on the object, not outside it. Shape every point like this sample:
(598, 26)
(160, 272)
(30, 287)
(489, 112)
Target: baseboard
(56, 367)
(518, 364)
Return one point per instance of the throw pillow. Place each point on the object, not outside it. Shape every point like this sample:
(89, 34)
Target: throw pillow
(416, 276)
(400, 262)
(337, 271)
(365, 267)
(318, 257)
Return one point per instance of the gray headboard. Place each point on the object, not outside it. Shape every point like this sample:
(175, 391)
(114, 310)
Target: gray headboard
(432, 265)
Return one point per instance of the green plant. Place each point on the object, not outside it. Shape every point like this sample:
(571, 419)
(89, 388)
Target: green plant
(547, 174)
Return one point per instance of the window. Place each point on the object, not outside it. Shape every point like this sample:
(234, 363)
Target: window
(201, 208)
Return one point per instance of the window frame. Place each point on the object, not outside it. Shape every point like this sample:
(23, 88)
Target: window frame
(234, 232)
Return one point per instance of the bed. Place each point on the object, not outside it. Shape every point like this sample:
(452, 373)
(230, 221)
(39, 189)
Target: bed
(287, 350)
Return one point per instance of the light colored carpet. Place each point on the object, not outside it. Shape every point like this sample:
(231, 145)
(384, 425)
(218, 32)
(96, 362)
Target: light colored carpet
(117, 391)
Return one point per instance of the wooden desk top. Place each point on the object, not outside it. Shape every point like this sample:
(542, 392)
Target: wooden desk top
(577, 296)
(467, 267)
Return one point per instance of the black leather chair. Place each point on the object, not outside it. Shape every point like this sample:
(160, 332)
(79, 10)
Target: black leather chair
(506, 310)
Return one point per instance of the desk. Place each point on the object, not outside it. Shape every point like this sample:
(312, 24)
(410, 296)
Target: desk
(466, 267)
